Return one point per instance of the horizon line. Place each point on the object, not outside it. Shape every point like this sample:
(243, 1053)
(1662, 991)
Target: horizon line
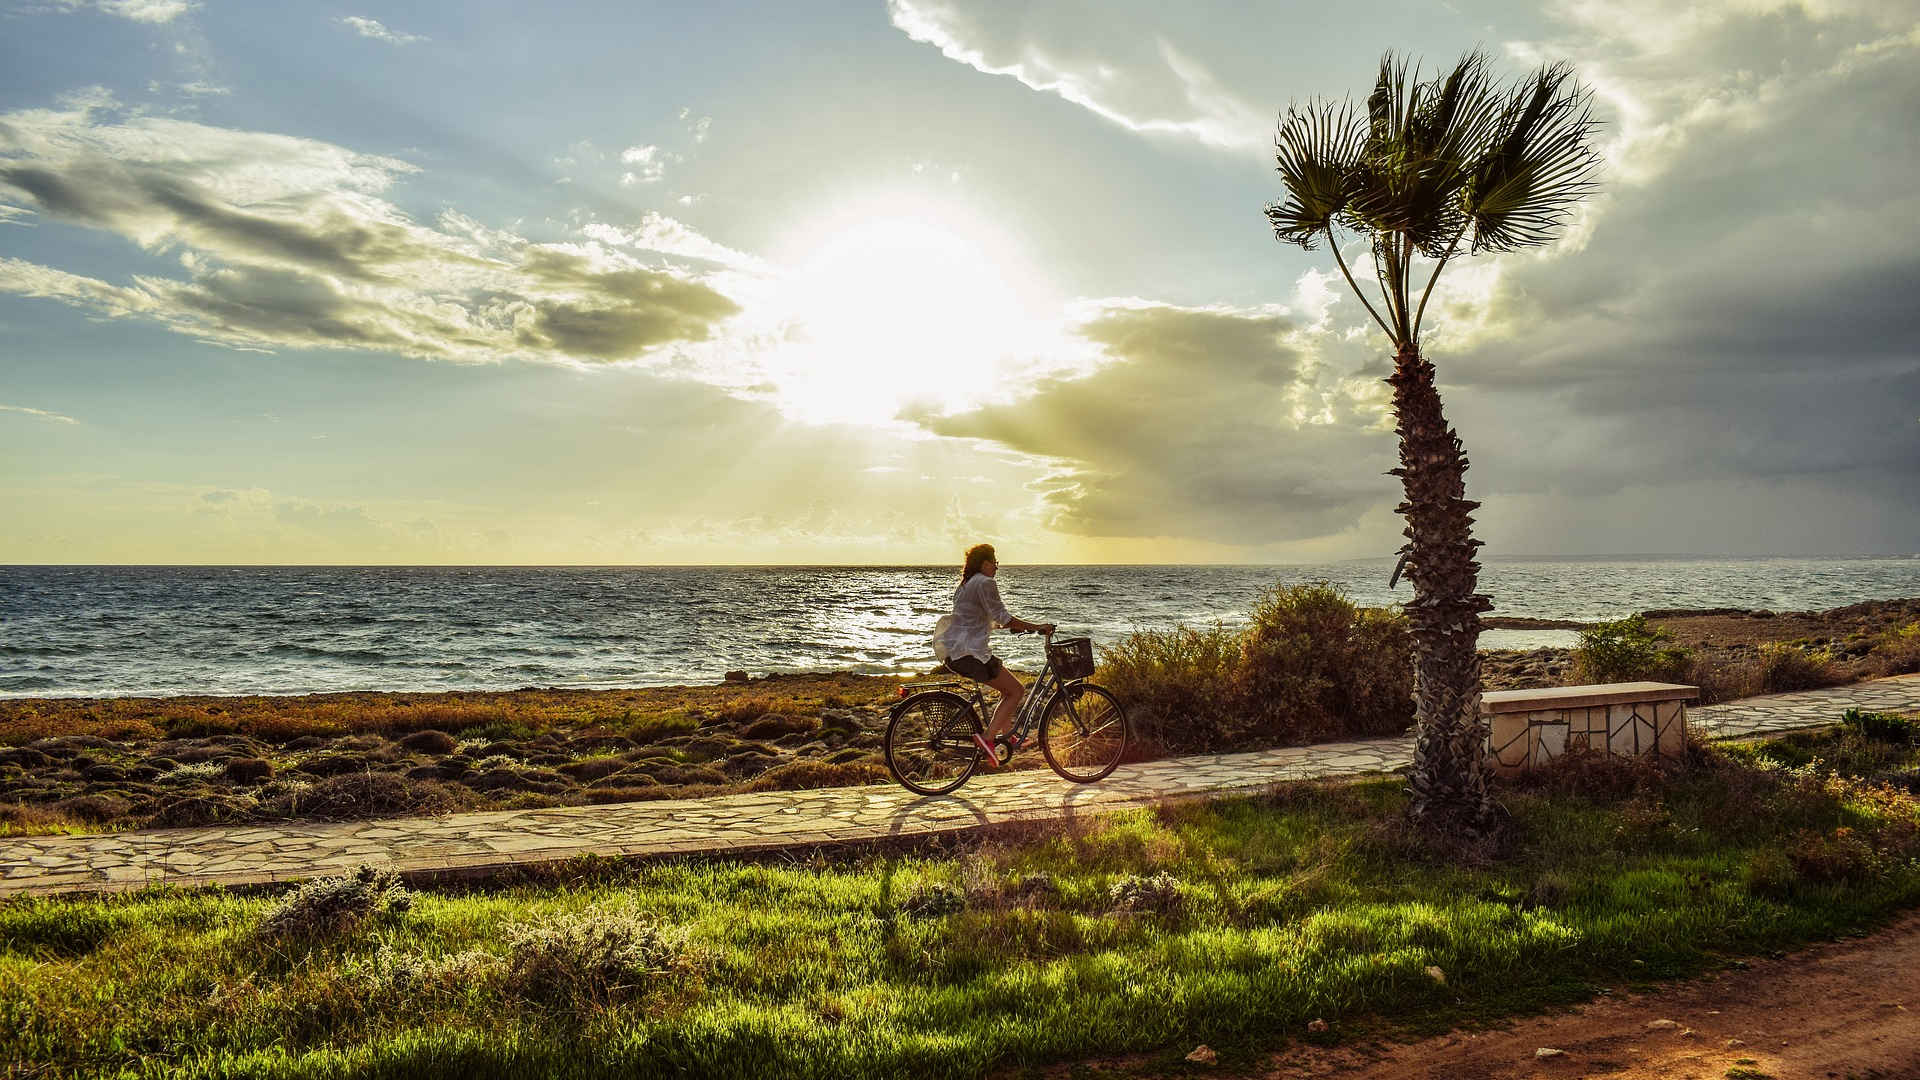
(1529, 557)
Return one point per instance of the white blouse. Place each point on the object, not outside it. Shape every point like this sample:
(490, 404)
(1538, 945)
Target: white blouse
(976, 611)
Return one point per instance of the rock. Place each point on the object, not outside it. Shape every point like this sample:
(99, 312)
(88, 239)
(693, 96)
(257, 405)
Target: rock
(306, 742)
(1546, 1052)
(1316, 1026)
(1203, 1055)
(103, 774)
(736, 676)
(851, 753)
(430, 742)
(1663, 1025)
(249, 770)
(1735, 1044)
(1436, 975)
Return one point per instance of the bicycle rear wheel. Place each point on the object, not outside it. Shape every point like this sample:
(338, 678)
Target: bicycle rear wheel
(1083, 733)
(929, 745)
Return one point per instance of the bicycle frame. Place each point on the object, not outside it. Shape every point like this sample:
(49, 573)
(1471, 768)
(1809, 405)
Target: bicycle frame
(1041, 694)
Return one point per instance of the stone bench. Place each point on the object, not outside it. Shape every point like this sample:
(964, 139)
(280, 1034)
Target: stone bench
(1528, 728)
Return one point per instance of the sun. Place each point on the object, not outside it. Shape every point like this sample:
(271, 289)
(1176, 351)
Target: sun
(904, 306)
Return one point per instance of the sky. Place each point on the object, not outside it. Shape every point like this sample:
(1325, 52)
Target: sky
(823, 282)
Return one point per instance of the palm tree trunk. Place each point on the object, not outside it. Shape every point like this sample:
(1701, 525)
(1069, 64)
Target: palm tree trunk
(1450, 778)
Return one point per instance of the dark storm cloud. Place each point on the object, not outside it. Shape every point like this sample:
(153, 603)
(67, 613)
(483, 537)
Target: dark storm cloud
(1748, 310)
(1190, 431)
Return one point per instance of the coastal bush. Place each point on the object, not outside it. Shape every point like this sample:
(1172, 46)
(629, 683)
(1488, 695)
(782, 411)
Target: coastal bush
(1309, 665)
(1629, 650)
(1176, 684)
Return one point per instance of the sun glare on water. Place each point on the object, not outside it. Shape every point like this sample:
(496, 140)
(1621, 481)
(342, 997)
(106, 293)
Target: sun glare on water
(900, 309)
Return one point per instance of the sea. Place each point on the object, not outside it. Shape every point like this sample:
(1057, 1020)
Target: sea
(167, 630)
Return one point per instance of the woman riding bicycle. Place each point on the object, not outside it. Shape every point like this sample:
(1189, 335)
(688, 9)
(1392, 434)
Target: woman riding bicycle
(963, 641)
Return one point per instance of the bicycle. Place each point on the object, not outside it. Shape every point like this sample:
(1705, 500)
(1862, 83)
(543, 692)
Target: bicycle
(930, 747)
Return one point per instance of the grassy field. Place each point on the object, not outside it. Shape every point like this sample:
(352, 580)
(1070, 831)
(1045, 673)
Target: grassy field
(1236, 924)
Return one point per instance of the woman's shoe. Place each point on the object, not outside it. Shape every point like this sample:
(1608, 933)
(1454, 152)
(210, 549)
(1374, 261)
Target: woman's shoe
(987, 748)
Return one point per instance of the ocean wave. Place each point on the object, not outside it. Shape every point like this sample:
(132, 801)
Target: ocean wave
(317, 653)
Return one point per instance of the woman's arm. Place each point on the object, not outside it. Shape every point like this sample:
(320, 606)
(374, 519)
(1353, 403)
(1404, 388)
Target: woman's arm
(998, 612)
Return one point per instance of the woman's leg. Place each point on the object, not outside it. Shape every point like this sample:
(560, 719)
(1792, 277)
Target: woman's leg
(1010, 694)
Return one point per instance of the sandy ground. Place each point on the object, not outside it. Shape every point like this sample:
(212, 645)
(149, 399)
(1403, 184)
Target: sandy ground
(1844, 1010)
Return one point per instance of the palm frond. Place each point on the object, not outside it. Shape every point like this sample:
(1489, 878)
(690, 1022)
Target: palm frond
(1315, 150)
(1423, 135)
(1538, 162)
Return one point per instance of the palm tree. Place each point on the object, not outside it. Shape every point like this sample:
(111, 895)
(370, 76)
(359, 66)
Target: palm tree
(1430, 166)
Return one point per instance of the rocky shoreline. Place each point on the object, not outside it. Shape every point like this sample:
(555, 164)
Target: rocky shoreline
(78, 764)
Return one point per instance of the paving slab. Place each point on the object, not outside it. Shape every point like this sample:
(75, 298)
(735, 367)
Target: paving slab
(114, 862)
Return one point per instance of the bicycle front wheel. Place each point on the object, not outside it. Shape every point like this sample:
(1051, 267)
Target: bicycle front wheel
(1084, 733)
(929, 745)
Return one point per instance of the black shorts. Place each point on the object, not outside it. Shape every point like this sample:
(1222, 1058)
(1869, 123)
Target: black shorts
(974, 668)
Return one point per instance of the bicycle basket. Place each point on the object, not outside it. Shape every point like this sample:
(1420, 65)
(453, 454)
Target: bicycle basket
(1072, 658)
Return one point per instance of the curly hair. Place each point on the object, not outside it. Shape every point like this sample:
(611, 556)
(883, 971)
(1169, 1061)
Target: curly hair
(977, 555)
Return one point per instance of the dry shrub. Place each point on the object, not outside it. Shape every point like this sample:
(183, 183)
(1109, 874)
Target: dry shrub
(932, 900)
(592, 959)
(210, 808)
(1784, 667)
(813, 773)
(31, 819)
(393, 975)
(93, 809)
(774, 725)
(742, 709)
(330, 905)
(1310, 665)
(1160, 893)
(369, 795)
(1897, 652)
(1722, 679)
(1840, 855)
(1599, 775)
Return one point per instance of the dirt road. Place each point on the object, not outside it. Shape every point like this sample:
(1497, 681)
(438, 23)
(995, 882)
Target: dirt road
(1844, 1010)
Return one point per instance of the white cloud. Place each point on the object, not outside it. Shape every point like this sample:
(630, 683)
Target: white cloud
(649, 165)
(697, 126)
(1124, 69)
(373, 28)
(657, 232)
(146, 11)
(43, 414)
(290, 243)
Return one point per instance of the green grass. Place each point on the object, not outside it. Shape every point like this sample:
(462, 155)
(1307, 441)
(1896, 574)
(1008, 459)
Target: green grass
(1033, 947)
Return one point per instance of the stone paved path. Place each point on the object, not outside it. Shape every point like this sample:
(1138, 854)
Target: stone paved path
(740, 823)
